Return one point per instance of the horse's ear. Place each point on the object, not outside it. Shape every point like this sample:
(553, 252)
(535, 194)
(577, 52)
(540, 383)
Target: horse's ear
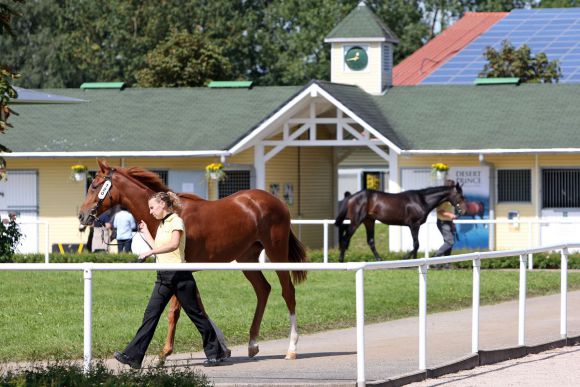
(103, 165)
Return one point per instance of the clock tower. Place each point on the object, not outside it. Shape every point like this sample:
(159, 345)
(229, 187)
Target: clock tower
(362, 51)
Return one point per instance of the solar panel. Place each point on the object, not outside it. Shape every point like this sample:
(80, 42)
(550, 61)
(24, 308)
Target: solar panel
(554, 31)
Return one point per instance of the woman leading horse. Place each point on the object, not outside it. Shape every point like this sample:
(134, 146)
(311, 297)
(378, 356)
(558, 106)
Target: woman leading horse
(409, 208)
(237, 227)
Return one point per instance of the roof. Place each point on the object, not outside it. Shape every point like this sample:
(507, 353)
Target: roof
(554, 31)
(361, 23)
(26, 96)
(171, 119)
(476, 118)
(419, 65)
(414, 118)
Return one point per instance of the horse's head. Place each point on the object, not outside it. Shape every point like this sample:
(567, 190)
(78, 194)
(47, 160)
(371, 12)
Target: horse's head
(101, 195)
(457, 199)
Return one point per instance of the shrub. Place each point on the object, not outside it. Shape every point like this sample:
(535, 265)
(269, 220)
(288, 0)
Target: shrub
(9, 238)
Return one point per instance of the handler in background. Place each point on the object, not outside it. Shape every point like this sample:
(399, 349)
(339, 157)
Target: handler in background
(445, 217)
(169, 246)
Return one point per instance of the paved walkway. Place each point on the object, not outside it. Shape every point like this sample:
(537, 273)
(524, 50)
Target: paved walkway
(329, 358)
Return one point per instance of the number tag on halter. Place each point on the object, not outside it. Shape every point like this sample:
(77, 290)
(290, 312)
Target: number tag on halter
(103, 192)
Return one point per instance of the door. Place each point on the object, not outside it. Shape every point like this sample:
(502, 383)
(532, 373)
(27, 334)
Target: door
(19, 195)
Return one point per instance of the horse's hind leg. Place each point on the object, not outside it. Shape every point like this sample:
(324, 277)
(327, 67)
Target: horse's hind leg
(173, 317)
(289, 295)
(370, 227)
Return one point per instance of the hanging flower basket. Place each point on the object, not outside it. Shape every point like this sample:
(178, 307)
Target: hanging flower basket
(439, 171)
(215, 171)
(78, 172)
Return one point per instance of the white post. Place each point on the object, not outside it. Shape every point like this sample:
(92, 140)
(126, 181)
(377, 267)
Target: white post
(88, 317)
(427, 241)
(531, 244)
(360, 328)
(522, 301)
(564, 294)
(259, 166)
(475, 306)
(46, 245)
(423, 316)
(325, 243)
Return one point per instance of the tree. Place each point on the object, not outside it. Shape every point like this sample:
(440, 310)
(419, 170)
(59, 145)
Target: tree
(184, 59)
(7, 76)
(512, 62)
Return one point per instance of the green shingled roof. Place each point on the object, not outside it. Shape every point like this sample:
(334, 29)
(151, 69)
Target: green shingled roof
(529, 116)
(170, 119)
(438, 118)
(361, 23)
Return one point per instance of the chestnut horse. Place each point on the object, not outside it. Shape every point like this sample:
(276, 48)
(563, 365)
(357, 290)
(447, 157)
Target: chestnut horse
(409, 208)
(237, 228)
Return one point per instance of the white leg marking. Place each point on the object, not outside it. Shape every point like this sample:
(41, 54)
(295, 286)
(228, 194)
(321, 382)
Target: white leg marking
(293, 338)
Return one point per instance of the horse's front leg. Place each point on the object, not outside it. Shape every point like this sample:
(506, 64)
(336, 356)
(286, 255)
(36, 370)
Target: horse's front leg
(173, 317)
(370, 227)
(262, 289)
(415, 235)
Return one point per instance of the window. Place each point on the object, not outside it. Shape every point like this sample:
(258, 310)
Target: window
(373, 180)
(514, 185)
(235, 181)
(561, 188)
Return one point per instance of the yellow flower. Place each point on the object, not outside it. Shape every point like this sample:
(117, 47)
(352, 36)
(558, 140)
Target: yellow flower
(214, 167)
(441, 167)
(78, 168)
(215, 171)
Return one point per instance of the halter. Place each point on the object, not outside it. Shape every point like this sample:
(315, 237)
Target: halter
(107, 184)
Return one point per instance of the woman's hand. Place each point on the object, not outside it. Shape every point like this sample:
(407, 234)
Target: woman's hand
(143, 228)
(143, 256)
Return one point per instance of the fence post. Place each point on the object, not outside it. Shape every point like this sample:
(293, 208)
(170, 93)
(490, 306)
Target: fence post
(88, 317)
(475, 306)
(530, 245)
(360, 328)
(423, 317)
(325, 242)
(46, 244)
(564, 294)
(522, 301)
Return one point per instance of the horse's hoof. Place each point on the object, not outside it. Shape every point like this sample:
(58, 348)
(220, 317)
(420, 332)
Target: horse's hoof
(253, 350)
(161, 361)
(290, 356)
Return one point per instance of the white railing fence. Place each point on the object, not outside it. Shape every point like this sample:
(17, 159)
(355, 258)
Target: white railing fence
(425, 242)
(359, 267)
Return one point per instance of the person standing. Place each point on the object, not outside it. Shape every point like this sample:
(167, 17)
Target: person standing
(445, 217)
(169, 247)
(124, 223)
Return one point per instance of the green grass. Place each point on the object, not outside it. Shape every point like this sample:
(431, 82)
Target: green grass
(41, 313)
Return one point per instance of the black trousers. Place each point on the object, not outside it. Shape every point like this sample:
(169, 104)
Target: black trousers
(181, 284)
(124, 245)
(446, 228)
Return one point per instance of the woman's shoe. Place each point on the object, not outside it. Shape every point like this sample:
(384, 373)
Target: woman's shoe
(123, 358)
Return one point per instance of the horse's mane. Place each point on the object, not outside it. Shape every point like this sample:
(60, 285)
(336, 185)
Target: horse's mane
(430, 190)
(153, 181)
(147, 178)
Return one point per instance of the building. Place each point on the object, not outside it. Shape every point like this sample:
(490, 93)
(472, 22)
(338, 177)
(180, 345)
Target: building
(514, 145)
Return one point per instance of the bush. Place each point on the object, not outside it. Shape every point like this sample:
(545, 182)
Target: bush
(9, 238)
(541, 260)
(72, 375)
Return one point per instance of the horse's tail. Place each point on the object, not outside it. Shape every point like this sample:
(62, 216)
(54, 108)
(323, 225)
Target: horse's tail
(342, 210)
(296, 253)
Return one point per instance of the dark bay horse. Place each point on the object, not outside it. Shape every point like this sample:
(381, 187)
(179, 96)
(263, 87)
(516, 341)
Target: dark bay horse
(236, 227)
(409, 208)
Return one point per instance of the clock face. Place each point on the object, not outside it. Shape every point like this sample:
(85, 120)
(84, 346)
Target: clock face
(356, 58)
